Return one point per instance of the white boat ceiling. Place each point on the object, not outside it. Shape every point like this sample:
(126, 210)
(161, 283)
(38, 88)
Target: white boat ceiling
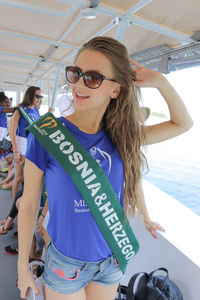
(39, 37)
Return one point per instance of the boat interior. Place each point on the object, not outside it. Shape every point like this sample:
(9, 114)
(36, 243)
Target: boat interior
(39, 38)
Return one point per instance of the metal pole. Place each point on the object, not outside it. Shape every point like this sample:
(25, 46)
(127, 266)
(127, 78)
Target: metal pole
(121, 29)
(53, 102)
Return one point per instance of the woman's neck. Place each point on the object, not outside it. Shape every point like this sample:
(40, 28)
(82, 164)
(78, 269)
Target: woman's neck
(30, 106)
(87, 123)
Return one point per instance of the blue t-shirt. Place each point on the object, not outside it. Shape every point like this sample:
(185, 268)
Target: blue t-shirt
(71, 226)
(33, 113)
(3, 122)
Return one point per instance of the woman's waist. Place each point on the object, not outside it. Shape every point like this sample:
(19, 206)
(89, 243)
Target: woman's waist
(80, 243)
(72, 258)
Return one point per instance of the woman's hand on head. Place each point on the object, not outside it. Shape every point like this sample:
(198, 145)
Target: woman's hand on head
(146, 77)
(26, 283)
(153, 227)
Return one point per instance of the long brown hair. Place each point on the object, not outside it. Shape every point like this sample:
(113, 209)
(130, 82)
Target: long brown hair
(122, 119)
(29, 95)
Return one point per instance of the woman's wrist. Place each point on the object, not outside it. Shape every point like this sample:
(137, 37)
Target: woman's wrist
(146, 220)
(23, 264)
(163, 84)
(43, 215)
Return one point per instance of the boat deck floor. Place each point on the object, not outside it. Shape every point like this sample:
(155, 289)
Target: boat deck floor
(8, 263)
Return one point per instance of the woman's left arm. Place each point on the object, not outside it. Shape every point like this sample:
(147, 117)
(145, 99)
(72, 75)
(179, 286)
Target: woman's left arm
(8, 110)
(151, 226)
(180, 120)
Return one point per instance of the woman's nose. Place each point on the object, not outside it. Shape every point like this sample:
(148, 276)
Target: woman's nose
(80, 82)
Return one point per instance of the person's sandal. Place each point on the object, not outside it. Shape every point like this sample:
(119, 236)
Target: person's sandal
(11, 249)
(15, 234)
(5, 230)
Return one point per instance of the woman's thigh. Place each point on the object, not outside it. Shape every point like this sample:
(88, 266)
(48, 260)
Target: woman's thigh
(92, 291)
(51, 295)
(96, 291)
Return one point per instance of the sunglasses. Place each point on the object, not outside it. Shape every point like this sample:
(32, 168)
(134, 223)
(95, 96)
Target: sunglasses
(38, 96)
(91, 79)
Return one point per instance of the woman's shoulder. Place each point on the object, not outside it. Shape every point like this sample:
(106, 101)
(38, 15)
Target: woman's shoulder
(36, 153)
(33, 145)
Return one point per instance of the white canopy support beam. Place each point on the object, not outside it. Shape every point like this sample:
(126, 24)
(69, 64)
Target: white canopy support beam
(73, 53)
(99, 33)
(20, 55)
(79, 2)
(53, 102)
(41, 83)
(101, 8)
(10, 73)
(25, 56)
(40, 9)
(121, 29)
(125, 21)
(68, 30)
(55, 47)
(18, 96)
(111, 11)
(137, 7)
(35, 38)
(16, 64)
(161, 29)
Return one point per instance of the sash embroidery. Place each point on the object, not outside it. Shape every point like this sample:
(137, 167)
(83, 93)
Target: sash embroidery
(92, 183)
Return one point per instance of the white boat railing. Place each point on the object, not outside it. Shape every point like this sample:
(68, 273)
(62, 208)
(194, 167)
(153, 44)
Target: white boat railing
(178, 249)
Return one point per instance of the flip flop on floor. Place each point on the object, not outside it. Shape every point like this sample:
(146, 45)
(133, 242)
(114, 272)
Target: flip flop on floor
(11, 249)
(4, 170)
(2, 188)
(3, 230)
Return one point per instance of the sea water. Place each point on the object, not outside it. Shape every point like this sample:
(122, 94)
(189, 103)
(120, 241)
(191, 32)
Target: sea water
(174, 167)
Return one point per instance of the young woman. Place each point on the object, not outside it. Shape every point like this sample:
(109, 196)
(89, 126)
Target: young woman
(106, 121)
(4, 108)
(17, 133)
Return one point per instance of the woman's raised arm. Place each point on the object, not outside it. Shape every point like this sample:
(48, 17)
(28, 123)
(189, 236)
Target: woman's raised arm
(180, 120)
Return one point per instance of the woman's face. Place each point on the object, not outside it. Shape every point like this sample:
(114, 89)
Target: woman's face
(6, 102)
(36, 101)
(86, 98)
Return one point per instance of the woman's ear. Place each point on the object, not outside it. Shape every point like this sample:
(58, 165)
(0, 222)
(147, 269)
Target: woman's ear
(116, 91)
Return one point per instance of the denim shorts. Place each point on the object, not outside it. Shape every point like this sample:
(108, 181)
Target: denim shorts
(66, 275)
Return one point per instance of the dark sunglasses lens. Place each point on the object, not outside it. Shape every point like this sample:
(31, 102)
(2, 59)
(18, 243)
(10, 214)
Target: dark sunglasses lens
(72, 75)
(39, 96)
(93, 79)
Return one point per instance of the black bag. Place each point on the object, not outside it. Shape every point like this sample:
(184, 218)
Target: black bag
(6, 145)
(143, 286)
(121, 292)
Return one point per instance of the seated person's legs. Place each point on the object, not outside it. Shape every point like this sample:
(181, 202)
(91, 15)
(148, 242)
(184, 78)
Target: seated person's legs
(18, 178)
(7, 224)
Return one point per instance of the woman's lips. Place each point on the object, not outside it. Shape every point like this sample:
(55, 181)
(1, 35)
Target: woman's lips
(80, 97)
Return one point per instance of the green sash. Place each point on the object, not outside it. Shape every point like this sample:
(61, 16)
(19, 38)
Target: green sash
(25, 114)
(92, 183)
